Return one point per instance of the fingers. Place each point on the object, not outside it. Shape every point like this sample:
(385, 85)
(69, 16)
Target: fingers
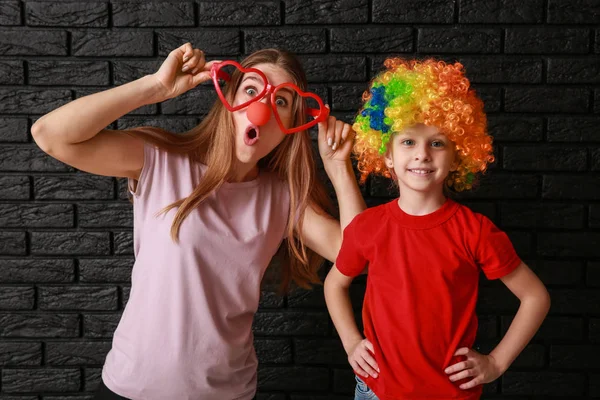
(203, 75)
(185, 51)
(463, 351)
(195, 62)
(334, 132)
(472, 383)
(458, 367)
(362, 360)
(462, 375)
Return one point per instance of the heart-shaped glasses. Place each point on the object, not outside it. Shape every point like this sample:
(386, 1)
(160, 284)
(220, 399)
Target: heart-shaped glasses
(281, 96)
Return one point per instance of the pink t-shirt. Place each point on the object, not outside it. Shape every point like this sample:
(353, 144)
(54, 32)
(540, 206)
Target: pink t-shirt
(186, 332)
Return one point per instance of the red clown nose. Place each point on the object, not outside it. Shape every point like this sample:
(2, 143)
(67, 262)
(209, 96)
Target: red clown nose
(259, 113)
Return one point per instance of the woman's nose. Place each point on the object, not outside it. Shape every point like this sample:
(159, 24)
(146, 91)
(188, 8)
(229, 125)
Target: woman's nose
(259, 113)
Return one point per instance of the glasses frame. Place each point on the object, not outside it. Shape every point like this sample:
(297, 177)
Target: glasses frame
(319, 115)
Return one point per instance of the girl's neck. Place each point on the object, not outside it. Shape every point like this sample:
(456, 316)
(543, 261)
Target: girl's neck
(420, 203)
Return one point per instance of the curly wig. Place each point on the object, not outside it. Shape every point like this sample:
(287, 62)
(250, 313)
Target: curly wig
(430, 92)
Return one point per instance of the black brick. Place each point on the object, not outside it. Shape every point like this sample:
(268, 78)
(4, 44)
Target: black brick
(100, 325)
(123, 243)
(544, 40)
(537, 158)
(20, 354)
(33, 43)
(571, 187)
(296, 40)
(18, 101)
(103, 271)
(576, 12)
(413, 11)
(573, 244)
(105, 215)
(335, 68)
(567, 129)
(17, 298)
(87, 298)
(501, 11)
(44, 380)
(12, 243)
(291, 323)
(210, 41)
(72, 14)
(273, 351)
(11, 72)
(502, 70)
(14, 188)
(372, 39)
(68, 243)
(39, 325)
(547, 100)
(127, 71)
(36, 216)
(14, 130)
(28, 158)
(85, 73)
(542, 215)
(544, 383)
(293, 378)
(10, 13)
(220, 13)
(76, 353)
(459, 40)
(326, 11)
(527, 129)
(73, 187)
(99, 43)
(29, 270)
(571, 70)
(155, 13)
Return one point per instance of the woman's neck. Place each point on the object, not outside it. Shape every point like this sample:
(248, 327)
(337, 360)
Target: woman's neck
(243, 172)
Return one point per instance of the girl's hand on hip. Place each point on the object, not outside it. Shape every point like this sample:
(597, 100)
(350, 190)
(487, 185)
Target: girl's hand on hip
(360, 357)
(184, 69)
(482, 368)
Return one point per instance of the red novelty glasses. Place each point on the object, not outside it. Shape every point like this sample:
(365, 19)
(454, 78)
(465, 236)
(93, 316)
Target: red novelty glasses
(255, 86)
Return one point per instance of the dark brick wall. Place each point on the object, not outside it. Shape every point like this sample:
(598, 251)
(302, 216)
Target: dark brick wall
(66, 240)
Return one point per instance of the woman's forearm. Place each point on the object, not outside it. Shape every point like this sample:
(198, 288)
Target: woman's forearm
(83, 118)
(350, 199)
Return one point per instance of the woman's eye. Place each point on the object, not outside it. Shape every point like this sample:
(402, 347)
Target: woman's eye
(281, 102)
(250, 91)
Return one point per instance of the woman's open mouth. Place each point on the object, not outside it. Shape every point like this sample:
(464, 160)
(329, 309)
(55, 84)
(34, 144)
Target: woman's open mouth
(251, 135)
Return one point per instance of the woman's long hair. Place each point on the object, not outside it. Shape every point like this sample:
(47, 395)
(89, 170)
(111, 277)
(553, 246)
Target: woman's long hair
(212, 143)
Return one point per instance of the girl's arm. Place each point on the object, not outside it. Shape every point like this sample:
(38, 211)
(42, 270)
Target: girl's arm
(75, 134)
(360, 351)
(535, 303)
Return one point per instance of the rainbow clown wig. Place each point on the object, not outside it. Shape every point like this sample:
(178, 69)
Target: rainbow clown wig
(430, 92)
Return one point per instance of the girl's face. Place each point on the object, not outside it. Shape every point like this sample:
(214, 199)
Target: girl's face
(421, 157)
(251, 141)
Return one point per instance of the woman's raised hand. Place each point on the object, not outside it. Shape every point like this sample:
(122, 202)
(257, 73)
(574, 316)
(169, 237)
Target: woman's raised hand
(184, 69)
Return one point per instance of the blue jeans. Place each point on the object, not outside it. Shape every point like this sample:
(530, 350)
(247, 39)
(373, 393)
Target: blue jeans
(363, 392)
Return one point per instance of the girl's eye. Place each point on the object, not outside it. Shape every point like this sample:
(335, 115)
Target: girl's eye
(438, 143)
(408, 142)
(281, 102)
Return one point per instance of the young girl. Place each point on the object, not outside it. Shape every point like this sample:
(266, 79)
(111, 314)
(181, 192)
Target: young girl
(424, 127)
(211, 208)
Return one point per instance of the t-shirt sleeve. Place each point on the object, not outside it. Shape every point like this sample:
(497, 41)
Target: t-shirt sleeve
(351, 260)
(495, 253)
(140, 186)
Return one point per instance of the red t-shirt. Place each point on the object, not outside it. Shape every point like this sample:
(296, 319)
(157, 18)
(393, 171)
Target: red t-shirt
(419, 305)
